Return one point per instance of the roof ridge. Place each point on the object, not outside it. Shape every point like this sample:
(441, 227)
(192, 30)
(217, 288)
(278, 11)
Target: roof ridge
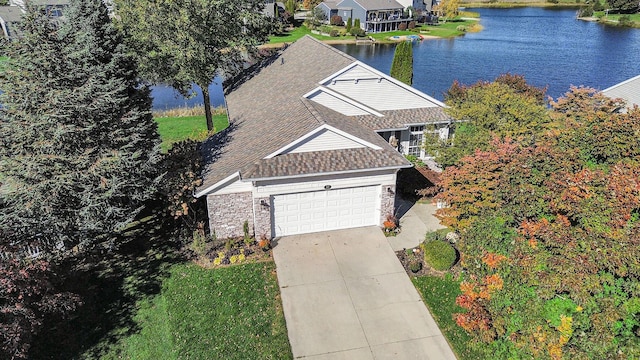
(312, 110)
(622, 83)
(345, 55)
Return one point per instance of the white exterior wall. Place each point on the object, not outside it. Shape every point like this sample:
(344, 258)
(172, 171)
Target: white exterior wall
(337, 104)
(274, 187)
(324, 140)
(379, 94)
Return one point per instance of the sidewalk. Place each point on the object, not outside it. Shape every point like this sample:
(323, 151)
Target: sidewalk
(416, 219)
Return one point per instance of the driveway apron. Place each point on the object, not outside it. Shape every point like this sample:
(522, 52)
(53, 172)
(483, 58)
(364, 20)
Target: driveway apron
(346, 296)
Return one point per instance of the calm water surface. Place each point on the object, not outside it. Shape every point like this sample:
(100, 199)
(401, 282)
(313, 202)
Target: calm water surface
(549, 47)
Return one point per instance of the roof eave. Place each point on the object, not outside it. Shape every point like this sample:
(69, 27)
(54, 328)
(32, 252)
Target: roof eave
(397, 167)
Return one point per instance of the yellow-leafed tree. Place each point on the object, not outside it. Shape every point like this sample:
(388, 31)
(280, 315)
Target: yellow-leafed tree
(448, 8)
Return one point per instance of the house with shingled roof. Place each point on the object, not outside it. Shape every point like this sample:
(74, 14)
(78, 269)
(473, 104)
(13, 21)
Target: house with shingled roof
(315, 141)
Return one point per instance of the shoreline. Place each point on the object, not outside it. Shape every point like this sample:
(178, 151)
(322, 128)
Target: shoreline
(350, 41)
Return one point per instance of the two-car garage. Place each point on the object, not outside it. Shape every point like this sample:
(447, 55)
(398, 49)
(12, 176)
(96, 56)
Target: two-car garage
(330, 209)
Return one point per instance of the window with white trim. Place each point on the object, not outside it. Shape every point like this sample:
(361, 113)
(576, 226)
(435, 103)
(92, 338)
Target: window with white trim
(415, 140)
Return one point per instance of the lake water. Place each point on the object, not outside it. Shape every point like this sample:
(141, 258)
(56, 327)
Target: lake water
(549, 47)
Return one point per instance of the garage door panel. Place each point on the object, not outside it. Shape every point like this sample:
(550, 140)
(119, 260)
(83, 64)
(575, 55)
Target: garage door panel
(325, 210)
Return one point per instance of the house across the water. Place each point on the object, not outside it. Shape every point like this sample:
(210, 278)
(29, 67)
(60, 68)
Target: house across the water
(377, 15)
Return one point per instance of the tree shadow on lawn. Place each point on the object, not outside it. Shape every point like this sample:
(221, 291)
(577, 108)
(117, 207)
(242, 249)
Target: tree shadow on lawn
(112, 281)
(110, 284)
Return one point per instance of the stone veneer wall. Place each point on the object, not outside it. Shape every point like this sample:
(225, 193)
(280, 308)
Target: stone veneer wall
(262, 217)
(228, 212)
(387, 202)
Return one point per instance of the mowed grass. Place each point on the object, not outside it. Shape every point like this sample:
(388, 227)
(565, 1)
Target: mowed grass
(439, 294)
(225, 313)
(297, 33)
(445, 30)
(174, 129)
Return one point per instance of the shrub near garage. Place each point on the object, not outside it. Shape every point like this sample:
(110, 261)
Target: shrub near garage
(438, 253)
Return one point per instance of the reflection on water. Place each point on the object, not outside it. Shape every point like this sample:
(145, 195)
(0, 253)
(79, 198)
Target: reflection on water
(550, 47)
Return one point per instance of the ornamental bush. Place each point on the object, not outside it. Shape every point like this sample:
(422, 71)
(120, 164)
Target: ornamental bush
(356, 31)
(439, 254)
(336, 20)
(402, 26)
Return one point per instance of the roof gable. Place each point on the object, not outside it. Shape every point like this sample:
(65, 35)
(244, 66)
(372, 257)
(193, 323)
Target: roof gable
(367, 87)
(325, 138)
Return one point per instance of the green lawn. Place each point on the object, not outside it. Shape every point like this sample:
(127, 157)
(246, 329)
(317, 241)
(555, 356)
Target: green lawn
(174, 129)
(443, 30)
(439, 294)
(297, 33)
(226, 313)
(614, 18)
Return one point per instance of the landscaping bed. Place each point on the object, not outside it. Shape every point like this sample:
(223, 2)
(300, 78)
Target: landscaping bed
(235, 251)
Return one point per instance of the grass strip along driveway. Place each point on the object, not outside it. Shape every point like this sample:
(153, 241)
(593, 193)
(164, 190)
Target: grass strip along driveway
(439, 294)
(225, 313)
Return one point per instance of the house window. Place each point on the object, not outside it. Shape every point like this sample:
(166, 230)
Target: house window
(415, 140)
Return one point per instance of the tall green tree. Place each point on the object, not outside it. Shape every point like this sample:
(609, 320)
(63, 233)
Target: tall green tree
(624, 6)
(402, 64)
(181, 42)
(79, 144)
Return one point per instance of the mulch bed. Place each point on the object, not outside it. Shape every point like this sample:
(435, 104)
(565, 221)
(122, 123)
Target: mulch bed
(425, 269)
(234, 248)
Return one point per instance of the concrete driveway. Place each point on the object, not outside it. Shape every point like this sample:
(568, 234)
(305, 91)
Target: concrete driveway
(346, 296)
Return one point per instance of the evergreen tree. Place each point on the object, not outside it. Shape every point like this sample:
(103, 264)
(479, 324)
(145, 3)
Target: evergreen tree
(402, 64)
(182, 42)
(79, 144)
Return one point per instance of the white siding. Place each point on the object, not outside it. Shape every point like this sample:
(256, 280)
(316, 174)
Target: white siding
(274, 187)
(233, 186)
(356, 72)
(324, 140)
(336, 104)
(380, 94)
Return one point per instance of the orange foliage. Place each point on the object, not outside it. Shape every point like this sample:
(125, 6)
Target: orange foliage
(493, 260)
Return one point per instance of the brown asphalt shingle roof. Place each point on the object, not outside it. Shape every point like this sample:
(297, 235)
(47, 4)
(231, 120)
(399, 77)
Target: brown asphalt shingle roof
(379, 4)
(267, 111)
(323, 162)
(398, 119)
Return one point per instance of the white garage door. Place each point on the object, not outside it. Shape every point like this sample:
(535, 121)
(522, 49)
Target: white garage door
(325, 210)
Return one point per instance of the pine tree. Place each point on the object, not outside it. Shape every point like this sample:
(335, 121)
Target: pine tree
(79, 144)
